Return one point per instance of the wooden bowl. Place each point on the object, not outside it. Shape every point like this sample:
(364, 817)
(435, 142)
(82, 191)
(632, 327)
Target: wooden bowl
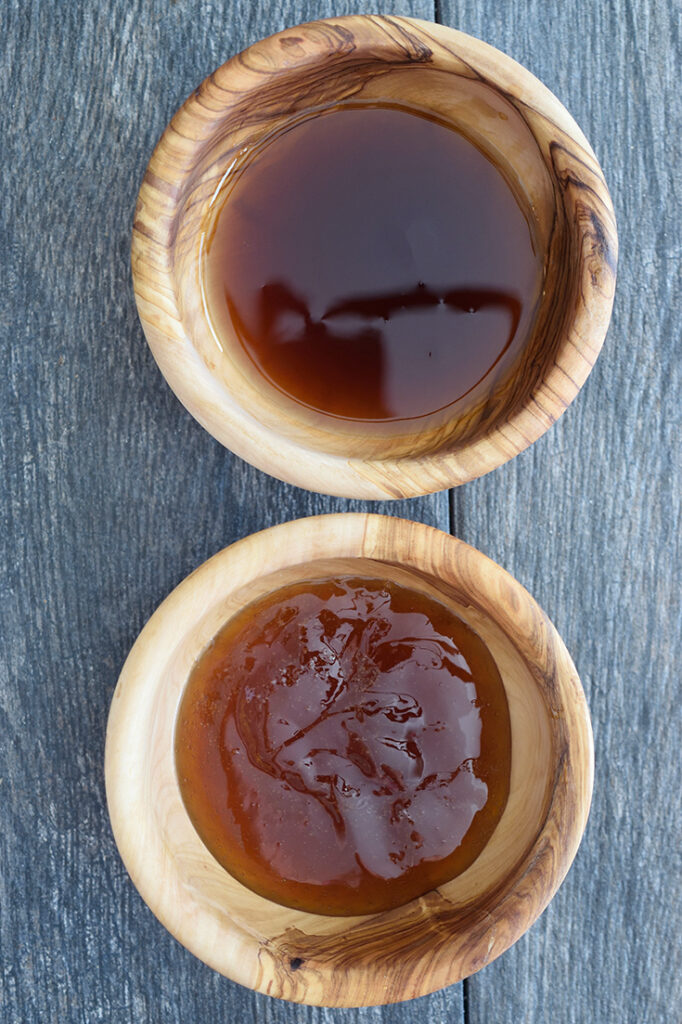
(435, 940)
(510, 115)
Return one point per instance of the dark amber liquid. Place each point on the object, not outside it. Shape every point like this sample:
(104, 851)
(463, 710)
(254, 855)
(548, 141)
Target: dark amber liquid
(375, 263)
(344, 746)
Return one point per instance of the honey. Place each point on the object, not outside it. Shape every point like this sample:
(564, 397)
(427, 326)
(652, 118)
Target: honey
(344, 745)
(375, 264)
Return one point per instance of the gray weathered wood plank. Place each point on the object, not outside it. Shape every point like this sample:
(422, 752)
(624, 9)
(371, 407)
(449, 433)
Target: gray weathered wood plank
(589, 521)
(111, 494)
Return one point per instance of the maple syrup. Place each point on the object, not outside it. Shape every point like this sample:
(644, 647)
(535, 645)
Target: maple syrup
(344, 745)
(374, 263)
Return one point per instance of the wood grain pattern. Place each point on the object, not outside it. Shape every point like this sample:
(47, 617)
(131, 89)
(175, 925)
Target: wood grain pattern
(432, 941)
(100, 515)
(510, 115)
(589, 520)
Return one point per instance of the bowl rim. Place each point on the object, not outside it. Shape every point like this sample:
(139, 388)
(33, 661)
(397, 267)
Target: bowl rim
(532, 881)
(208, 399)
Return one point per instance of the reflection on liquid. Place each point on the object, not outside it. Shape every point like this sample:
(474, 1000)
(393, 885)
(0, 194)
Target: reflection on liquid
(375, 263)
(357, 358)
(345, 745)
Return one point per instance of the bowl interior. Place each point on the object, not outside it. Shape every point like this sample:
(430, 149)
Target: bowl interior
(430, 942)
(533, 756)
(481, 111)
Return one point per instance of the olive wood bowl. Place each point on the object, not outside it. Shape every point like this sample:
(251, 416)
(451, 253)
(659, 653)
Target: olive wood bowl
(510, 115)
(432, 941)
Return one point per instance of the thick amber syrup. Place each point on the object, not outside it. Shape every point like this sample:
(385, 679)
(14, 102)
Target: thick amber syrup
(344, 745)
(375, 264)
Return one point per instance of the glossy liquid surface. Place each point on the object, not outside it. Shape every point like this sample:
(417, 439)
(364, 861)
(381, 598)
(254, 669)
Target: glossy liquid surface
(375, 264)
(344, 746)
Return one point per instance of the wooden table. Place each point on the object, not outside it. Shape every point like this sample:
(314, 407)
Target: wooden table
(111, 494)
